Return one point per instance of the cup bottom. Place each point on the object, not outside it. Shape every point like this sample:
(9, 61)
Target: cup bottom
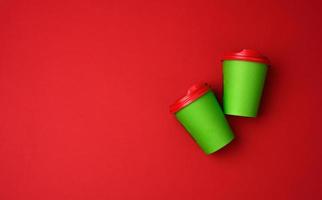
(240, 114)
(221, 146)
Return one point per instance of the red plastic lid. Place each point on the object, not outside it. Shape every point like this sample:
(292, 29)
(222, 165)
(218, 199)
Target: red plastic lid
(193, 93)
(248, 55)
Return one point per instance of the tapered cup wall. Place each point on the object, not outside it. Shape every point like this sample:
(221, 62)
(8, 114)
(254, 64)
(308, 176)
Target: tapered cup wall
(243, 86)
(206, 123)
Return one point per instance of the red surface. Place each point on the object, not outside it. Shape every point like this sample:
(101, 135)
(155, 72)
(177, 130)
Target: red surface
(85, 88)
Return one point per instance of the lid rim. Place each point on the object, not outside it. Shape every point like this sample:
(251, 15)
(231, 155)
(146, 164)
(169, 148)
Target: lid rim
(247, 55)
(192, 95)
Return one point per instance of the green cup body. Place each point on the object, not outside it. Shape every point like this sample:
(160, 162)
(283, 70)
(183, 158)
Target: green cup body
(206, 123)
(243, 86)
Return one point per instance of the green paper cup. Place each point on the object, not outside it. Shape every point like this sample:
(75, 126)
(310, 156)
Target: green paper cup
(201, 115)
(244, 77)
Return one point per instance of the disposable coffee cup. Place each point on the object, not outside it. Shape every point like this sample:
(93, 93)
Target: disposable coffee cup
(244, 76)
(201, 115)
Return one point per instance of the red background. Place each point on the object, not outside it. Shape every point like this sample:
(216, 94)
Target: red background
(85, 88)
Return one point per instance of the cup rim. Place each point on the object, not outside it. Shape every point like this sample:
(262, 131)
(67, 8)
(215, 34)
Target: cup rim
(193, 93)
(247, 55)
